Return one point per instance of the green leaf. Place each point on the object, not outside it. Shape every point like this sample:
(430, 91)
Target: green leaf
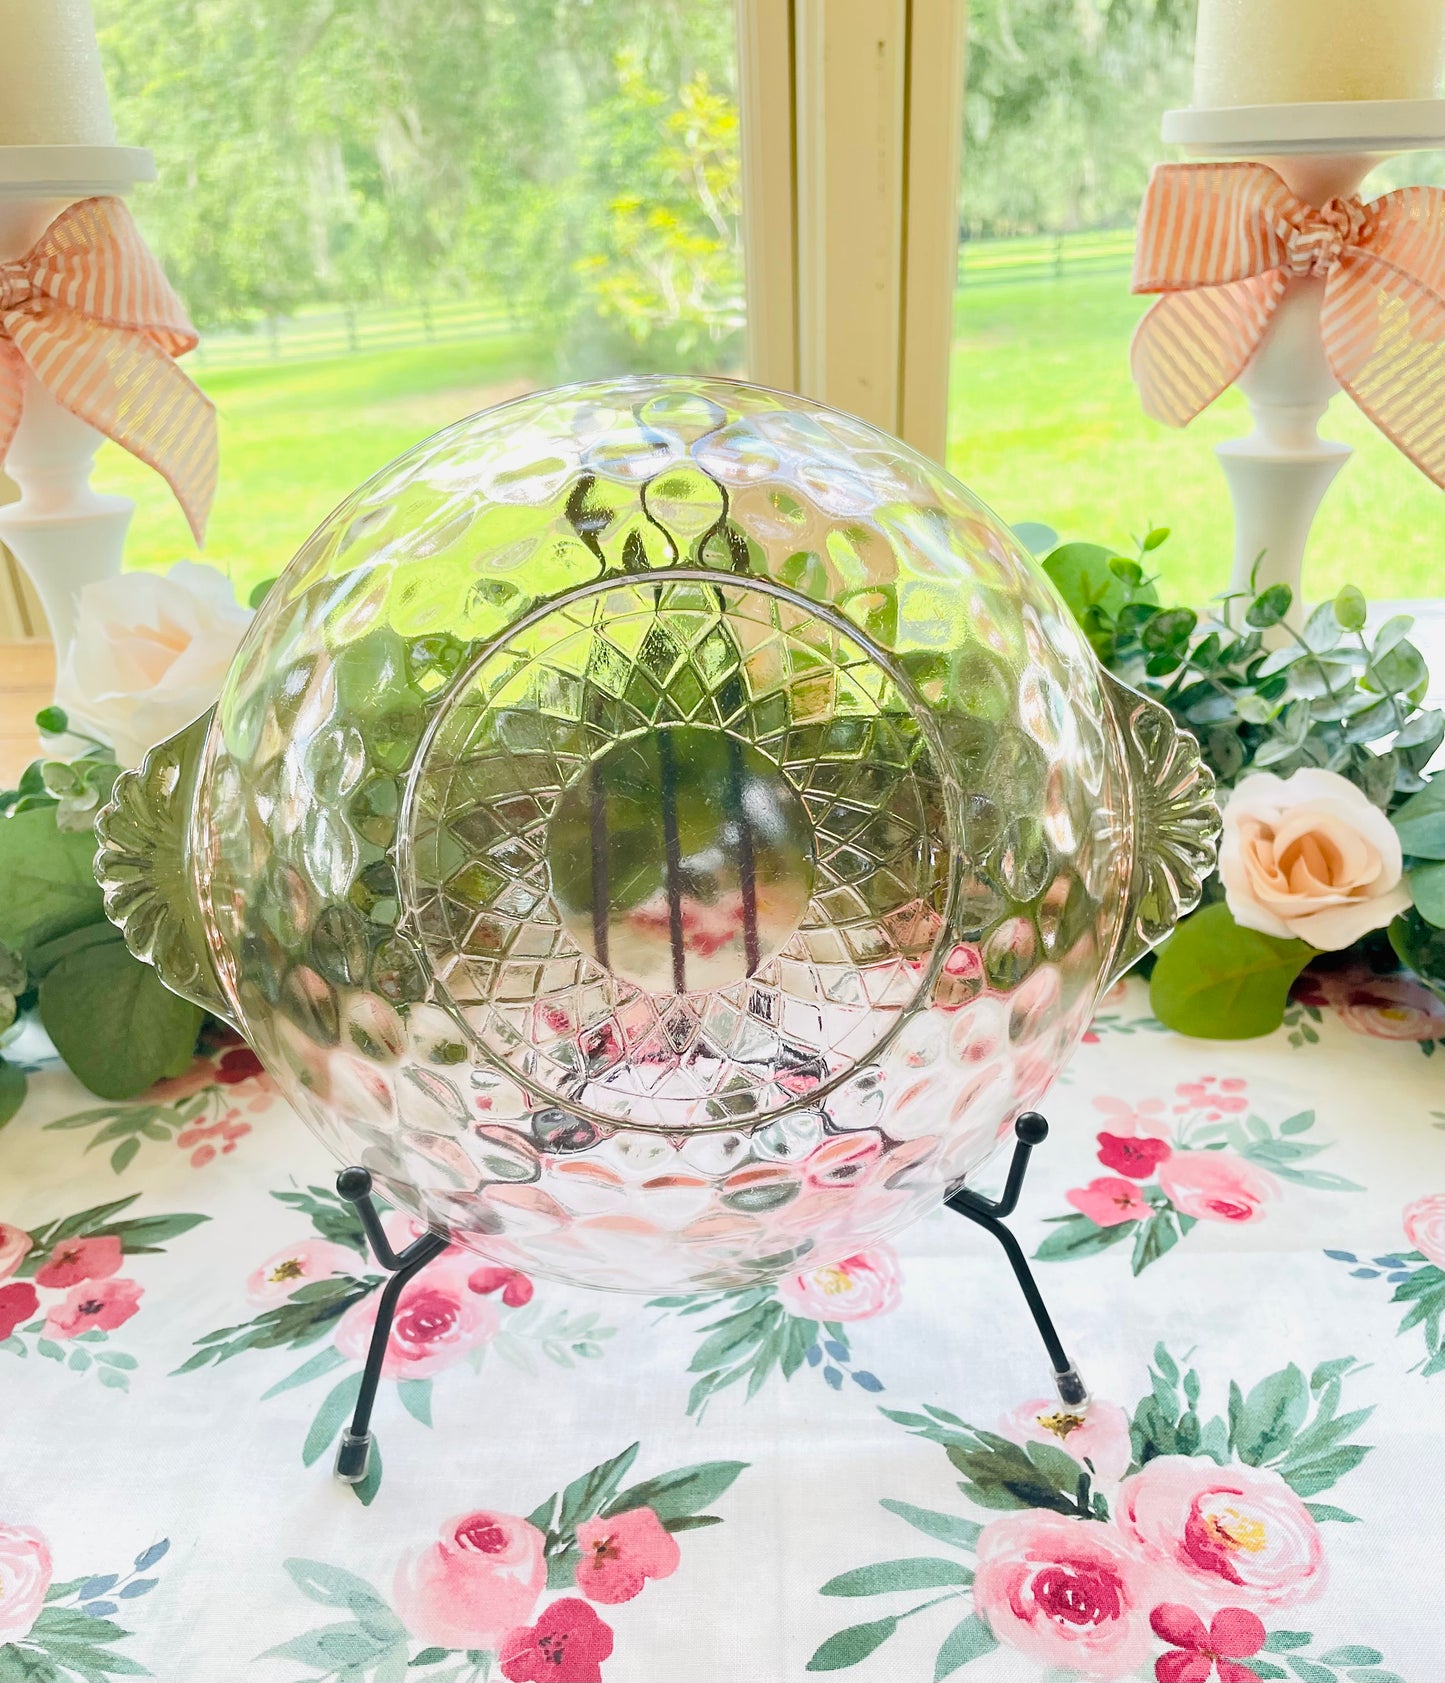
(1421, 946)
(1281, 1641)
(322, 1362)
(850, 1646)
(1270, 1416)
(1218, 981)
(1083, 577)
(890, 1575)
(999, 1473)
(1160, 1233)
(415, 1397)
(1077, 1236)
(967, 1641)
(333, 1414)
(1352, 1653)
(114, 1021)
(12, 1090)
(45, 957)
(675, 1495)
(1350, 608)
(943, 1528)
(585, 1496)
(1427, 890)
(1154, 538)
(47, 887)
(1308, 1672)
(1420, 822)
(1269, 607)
(331, 1586)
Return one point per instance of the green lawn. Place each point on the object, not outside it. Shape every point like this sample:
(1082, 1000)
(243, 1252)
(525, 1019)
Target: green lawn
(1044, 424)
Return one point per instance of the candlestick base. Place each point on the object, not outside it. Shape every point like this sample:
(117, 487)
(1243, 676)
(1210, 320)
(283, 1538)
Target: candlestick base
(1329, 126)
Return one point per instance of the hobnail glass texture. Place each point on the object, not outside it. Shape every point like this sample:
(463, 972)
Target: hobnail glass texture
(667, 831)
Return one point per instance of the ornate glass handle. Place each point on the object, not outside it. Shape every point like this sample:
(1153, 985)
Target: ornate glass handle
(144, 872)
(1175, 817)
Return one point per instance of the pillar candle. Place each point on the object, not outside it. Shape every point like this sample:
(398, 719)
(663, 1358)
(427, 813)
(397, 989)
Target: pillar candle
(1281, 52)
(52, 92)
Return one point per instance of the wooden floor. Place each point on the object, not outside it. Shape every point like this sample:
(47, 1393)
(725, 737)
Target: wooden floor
(27, 683)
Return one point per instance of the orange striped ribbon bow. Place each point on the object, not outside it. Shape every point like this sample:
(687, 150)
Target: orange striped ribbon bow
(1222, 242)
(89, 314)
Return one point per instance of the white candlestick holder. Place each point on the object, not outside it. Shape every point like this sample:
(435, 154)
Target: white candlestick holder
(63, 533)
(1279, 473)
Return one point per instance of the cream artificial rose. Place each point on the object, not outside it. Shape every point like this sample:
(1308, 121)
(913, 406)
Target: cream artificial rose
(150, 654)
(1307, 855)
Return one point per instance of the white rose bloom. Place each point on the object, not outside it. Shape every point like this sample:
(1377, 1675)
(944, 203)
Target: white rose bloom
(1309, 856)
(150, 654)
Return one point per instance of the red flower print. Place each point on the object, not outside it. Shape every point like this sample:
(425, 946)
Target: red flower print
(205, 1137)
(106, 1304)
(237, 1065)
(18, 1302)
(1107, 1202)
(621, 1553)
(1234, 1633)
(1128, 1155)
(516, 1289)
(566, 1645)
(74, 1260)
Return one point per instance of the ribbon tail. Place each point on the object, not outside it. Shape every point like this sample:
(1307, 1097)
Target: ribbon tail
(12, 394)
(1191, 346)
(122, 383)
(1384, 337)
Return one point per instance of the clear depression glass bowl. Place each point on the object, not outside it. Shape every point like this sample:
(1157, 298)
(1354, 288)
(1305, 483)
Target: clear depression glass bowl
(665, 830)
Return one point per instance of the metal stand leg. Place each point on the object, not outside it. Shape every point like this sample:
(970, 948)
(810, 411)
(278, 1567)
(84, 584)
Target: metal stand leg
(354, 1185)
(988, 1213)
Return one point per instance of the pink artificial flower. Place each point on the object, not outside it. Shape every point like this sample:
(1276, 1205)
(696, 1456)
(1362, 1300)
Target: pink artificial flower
(1385, 1007)
(24, 1579)
(438, 1319)
(296, 1266)
(1128, 1154)
(1234, 1634)
(1108, 1201)
(1233, 1535)
(619, 1554)
(1215, 1186)
(74, 1260)
(478, 1581)
(515, 1287)
(1098, 1433)
(566, 1645)
(174, 1088)
(854, 1289)
(1066, 1592)
(15, 1245)
(103, 1304)
(1425, 1227)
(18, 1302)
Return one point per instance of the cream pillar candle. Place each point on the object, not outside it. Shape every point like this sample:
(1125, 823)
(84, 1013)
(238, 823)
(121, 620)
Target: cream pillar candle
(1284, 52)
(52, 92)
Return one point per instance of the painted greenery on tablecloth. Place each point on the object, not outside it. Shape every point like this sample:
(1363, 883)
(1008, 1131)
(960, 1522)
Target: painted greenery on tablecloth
(1205, 1156)
(490, 1596)
(1111, 1540)
(1418, 1276)
(65, 1633)
(62, 1292)
(456, 1309)
(788, 1324)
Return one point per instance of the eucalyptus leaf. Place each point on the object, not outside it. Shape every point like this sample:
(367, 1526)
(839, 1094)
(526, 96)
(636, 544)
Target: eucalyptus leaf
(1219, 981)
(12, 1090)
(1349, 608)
(1427, 890)
(115, 1023)
(1269, 607)
(1420, 823)
(1421, 946)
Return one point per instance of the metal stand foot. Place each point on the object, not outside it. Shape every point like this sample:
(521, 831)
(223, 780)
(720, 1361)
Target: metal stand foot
(988, 1213)
(354, 1185)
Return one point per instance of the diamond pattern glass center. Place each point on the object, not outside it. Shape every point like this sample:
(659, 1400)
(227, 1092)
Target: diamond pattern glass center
(678, 852)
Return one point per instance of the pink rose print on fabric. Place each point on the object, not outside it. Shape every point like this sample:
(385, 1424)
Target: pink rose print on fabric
(516, 1289)
(619, 1555)
(1109, 1201)
(24, 1579)
(313, 1259)
(18, 1302)
(1234, 1634)
(1215, 1186)
(869, 1283)
(100, 1305)
(566, 1645)
(15, 1244)
(438, 1319)
(1066, 1592)
(476, 1583)
(1100, 1436)
(74, 1260)
(1129, 1155)
(1234, 1535)
(1425, 1227)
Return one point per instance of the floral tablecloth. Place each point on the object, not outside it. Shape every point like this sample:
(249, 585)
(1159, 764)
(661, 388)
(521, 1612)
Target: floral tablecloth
(861, 1469)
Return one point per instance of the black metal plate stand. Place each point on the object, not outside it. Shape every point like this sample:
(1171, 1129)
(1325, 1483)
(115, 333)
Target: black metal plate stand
(354, 1185)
